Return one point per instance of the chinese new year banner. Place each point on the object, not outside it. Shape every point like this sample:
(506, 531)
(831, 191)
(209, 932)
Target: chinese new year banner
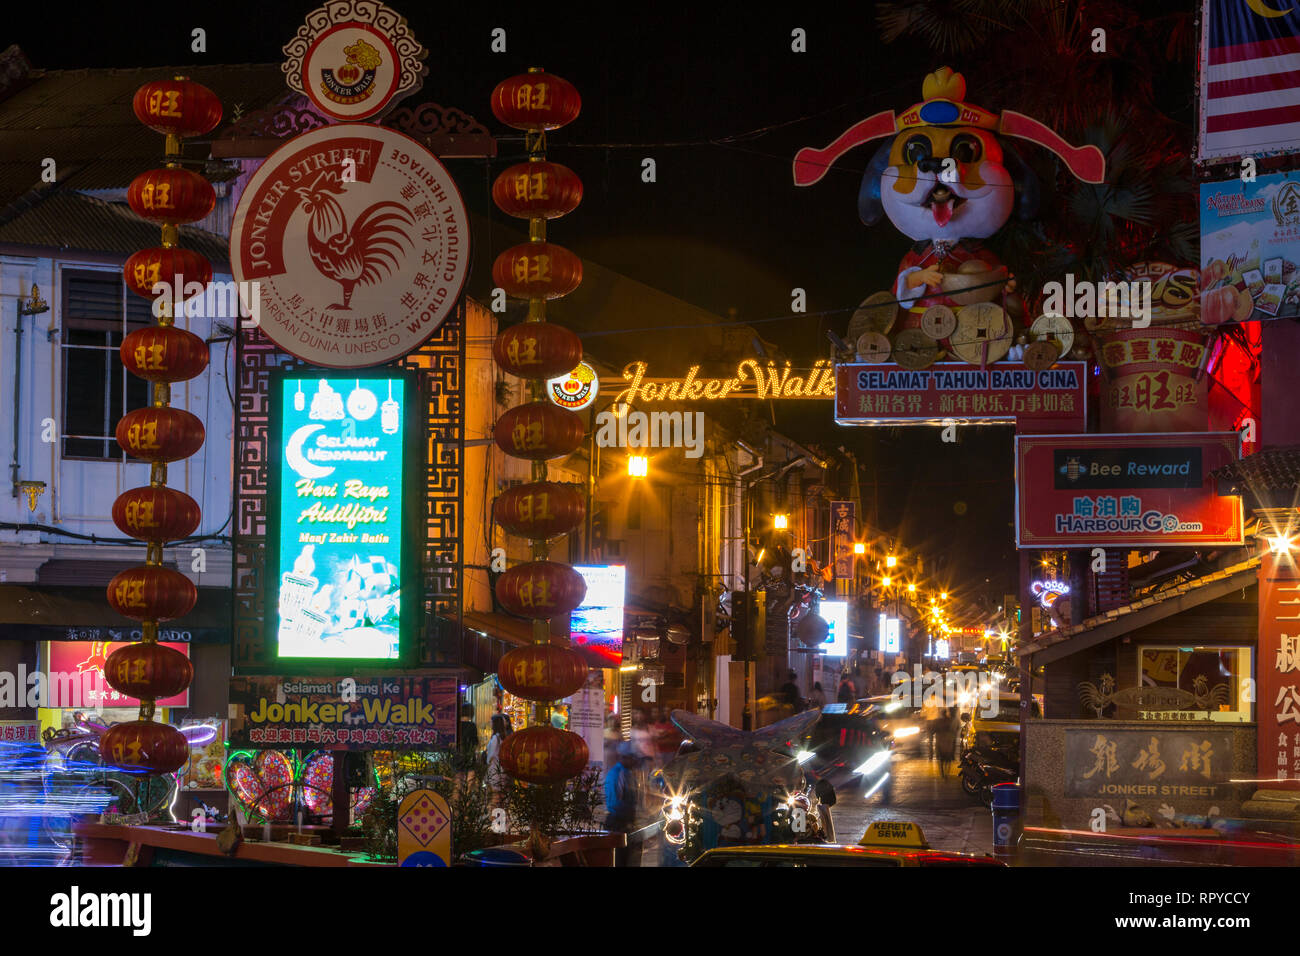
(888, 394)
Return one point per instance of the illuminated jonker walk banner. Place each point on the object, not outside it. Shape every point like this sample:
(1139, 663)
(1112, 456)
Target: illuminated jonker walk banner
(339, 545)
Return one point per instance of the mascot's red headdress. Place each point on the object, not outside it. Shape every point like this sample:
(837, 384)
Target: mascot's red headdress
(942, 105)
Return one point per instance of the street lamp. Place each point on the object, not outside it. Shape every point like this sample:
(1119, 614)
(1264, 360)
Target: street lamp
(859, 548)
(885, 581)
(890, 561)
(780, 522)
(638, 466)
(911, 589)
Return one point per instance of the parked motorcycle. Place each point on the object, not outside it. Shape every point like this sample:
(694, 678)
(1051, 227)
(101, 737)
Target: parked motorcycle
(982, 769)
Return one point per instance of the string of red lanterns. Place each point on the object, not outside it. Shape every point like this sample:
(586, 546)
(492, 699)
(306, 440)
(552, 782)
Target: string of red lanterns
(163, 355)
(535, 350)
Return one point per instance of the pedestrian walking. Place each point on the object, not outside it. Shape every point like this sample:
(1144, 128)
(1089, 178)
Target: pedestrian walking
(945, 741)
(623, 801)
(496, 777)
(844, 693)
(817, 699)
(789, 692)
(825, 794)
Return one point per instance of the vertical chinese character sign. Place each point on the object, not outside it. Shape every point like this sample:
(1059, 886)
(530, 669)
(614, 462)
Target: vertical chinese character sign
(1278, 692)
(843, 529)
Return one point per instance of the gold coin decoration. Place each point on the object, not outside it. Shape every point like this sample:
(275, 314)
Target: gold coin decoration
(914, 349)
(938, 322)
(873, 347)
(877, 313)
(983, 334)
(1042, 355)
(1055, 327)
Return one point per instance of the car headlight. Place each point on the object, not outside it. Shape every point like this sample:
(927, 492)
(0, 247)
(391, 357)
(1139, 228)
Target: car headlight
(873, 763)
(906, 731)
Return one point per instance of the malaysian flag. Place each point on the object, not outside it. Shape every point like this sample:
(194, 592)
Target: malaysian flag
(1250, 78)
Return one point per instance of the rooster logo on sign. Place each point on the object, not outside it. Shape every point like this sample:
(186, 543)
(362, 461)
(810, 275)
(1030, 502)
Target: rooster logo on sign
(365, 252)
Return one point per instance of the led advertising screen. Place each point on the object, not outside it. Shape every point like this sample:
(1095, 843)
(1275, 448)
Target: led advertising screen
(836, 614)
(342, 515)
(596, 627)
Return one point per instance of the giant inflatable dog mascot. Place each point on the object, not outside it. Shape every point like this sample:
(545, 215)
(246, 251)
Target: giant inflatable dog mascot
(947, 181)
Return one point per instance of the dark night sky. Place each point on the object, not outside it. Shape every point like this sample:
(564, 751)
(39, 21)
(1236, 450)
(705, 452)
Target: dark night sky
(723, 227)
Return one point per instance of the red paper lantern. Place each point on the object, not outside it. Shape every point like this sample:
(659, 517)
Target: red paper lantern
(542, 672)
(178, 107)
(537, 189)
(160, 434)
(164, 353)
(156, 513)
(539, 509)
(541, 589)
(536, 101)
(175, 267)
(538, 431)
(142, 746)
(148, 671)
(537, 270)
(543, 754)
(537, 350)
(170, 196)
(152, 593)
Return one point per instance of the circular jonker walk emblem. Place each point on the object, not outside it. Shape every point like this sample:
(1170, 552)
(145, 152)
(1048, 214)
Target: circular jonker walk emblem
(359, 241)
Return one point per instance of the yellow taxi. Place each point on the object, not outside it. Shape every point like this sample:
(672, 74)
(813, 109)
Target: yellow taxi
(886, 843)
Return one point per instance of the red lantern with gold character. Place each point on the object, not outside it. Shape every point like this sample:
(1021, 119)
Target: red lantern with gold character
(142, 746)
(536, 101)
(538, 431)
(543, 754)
(537, 270)
(539, 509)
(164, 353)
(175, 267)
(542, 672)
(156, 513)
(152, 593)
(178, 107)
(148, 671)
(170, 196)
(537, 189)
(160, 434)
(540, 589)
(537, 350)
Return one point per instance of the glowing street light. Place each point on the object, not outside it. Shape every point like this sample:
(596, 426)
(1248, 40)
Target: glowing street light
(911, 589)
(638, 466)
(859, 548)
(885, 581)
(1281, 544)
(780, 522)
(891, 561)
(943, 595)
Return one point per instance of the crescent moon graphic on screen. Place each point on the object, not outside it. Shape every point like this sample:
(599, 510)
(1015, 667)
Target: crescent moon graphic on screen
(1264, 10)
(293, 454)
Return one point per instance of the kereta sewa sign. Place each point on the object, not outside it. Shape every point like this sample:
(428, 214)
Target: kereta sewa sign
(1124, 491)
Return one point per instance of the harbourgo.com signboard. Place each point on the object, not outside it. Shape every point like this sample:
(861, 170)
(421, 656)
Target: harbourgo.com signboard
(1075, 491)
(870, 394)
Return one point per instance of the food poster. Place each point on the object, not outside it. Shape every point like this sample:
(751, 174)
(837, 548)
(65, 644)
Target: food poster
(1250, 249)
